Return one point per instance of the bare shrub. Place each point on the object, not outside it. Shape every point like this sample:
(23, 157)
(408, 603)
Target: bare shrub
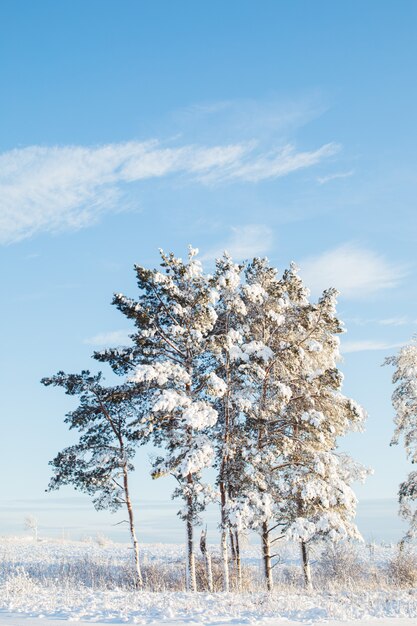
(164, 576)
(290, 575)
(201, 574)
(340, 564)
(402, 568)
(20, 583)
(247, 580)
(86, 572)
(336, 567)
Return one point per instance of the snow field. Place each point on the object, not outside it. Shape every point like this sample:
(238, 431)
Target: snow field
(87, 582)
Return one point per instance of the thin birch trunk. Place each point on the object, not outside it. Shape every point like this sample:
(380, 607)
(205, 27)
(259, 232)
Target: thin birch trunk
(232, 551)
(306, 566)
(223, 500)
(225, 560)
(266, 554)
(209, 572)
(191, 583)
(207, 560)
(223, 538)
(119, 436)
(238, 562)
(232, 545)
(224, 477)
(138, 572)
(190, 578)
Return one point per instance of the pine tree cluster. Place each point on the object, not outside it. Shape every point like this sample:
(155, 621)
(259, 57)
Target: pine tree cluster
(234, 371)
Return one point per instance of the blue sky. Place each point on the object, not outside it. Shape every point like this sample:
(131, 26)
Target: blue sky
(284, 129)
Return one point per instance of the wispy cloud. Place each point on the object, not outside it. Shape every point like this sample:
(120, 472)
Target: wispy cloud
(322, 180)
(366, 345)
(112, 338)
(244, 117)
(390, 321)
(394, 321)
(273, 164)
(355, 271)
(52, 189)
(244, 242)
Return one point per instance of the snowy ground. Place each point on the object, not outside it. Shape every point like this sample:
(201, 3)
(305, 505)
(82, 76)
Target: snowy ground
(48, 583)
(8, 619)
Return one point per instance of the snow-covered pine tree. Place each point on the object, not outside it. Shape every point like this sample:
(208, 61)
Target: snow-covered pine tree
(294, 413)
(260, 396)
(101, 462)
(174, 316)
(313, 480)
(404, 401)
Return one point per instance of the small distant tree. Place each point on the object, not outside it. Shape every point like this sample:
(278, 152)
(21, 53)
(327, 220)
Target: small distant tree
(404, 401)
(100, 463)
(31, 523)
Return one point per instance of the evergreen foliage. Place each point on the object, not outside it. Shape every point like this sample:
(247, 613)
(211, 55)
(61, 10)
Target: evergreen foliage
(174, 316)
(100, 462)
(236, 371)
(404, 401)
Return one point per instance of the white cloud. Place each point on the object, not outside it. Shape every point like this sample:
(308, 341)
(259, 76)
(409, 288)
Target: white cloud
(245, 242)
(390, 321)
(112, 338)
(394, 321)
(356, 272)
(275, 164)
(366, 345)
(245, 117)
(326, 179)
(51, 189)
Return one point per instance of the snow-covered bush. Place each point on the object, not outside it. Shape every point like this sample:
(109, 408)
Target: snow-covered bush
(291, 576)
(20, 583)
(402, 567)
(161, 577)
(341, 565)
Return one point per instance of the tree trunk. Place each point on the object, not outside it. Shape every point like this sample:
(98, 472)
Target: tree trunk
(266, 554)
(209, 572)
(207, 560)
(119, 436)
(238, 562)
(223, 538)
(223, 474)
(233, 551)
(138, 573)
(191, 583)
(306, 566)
(232, 545)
